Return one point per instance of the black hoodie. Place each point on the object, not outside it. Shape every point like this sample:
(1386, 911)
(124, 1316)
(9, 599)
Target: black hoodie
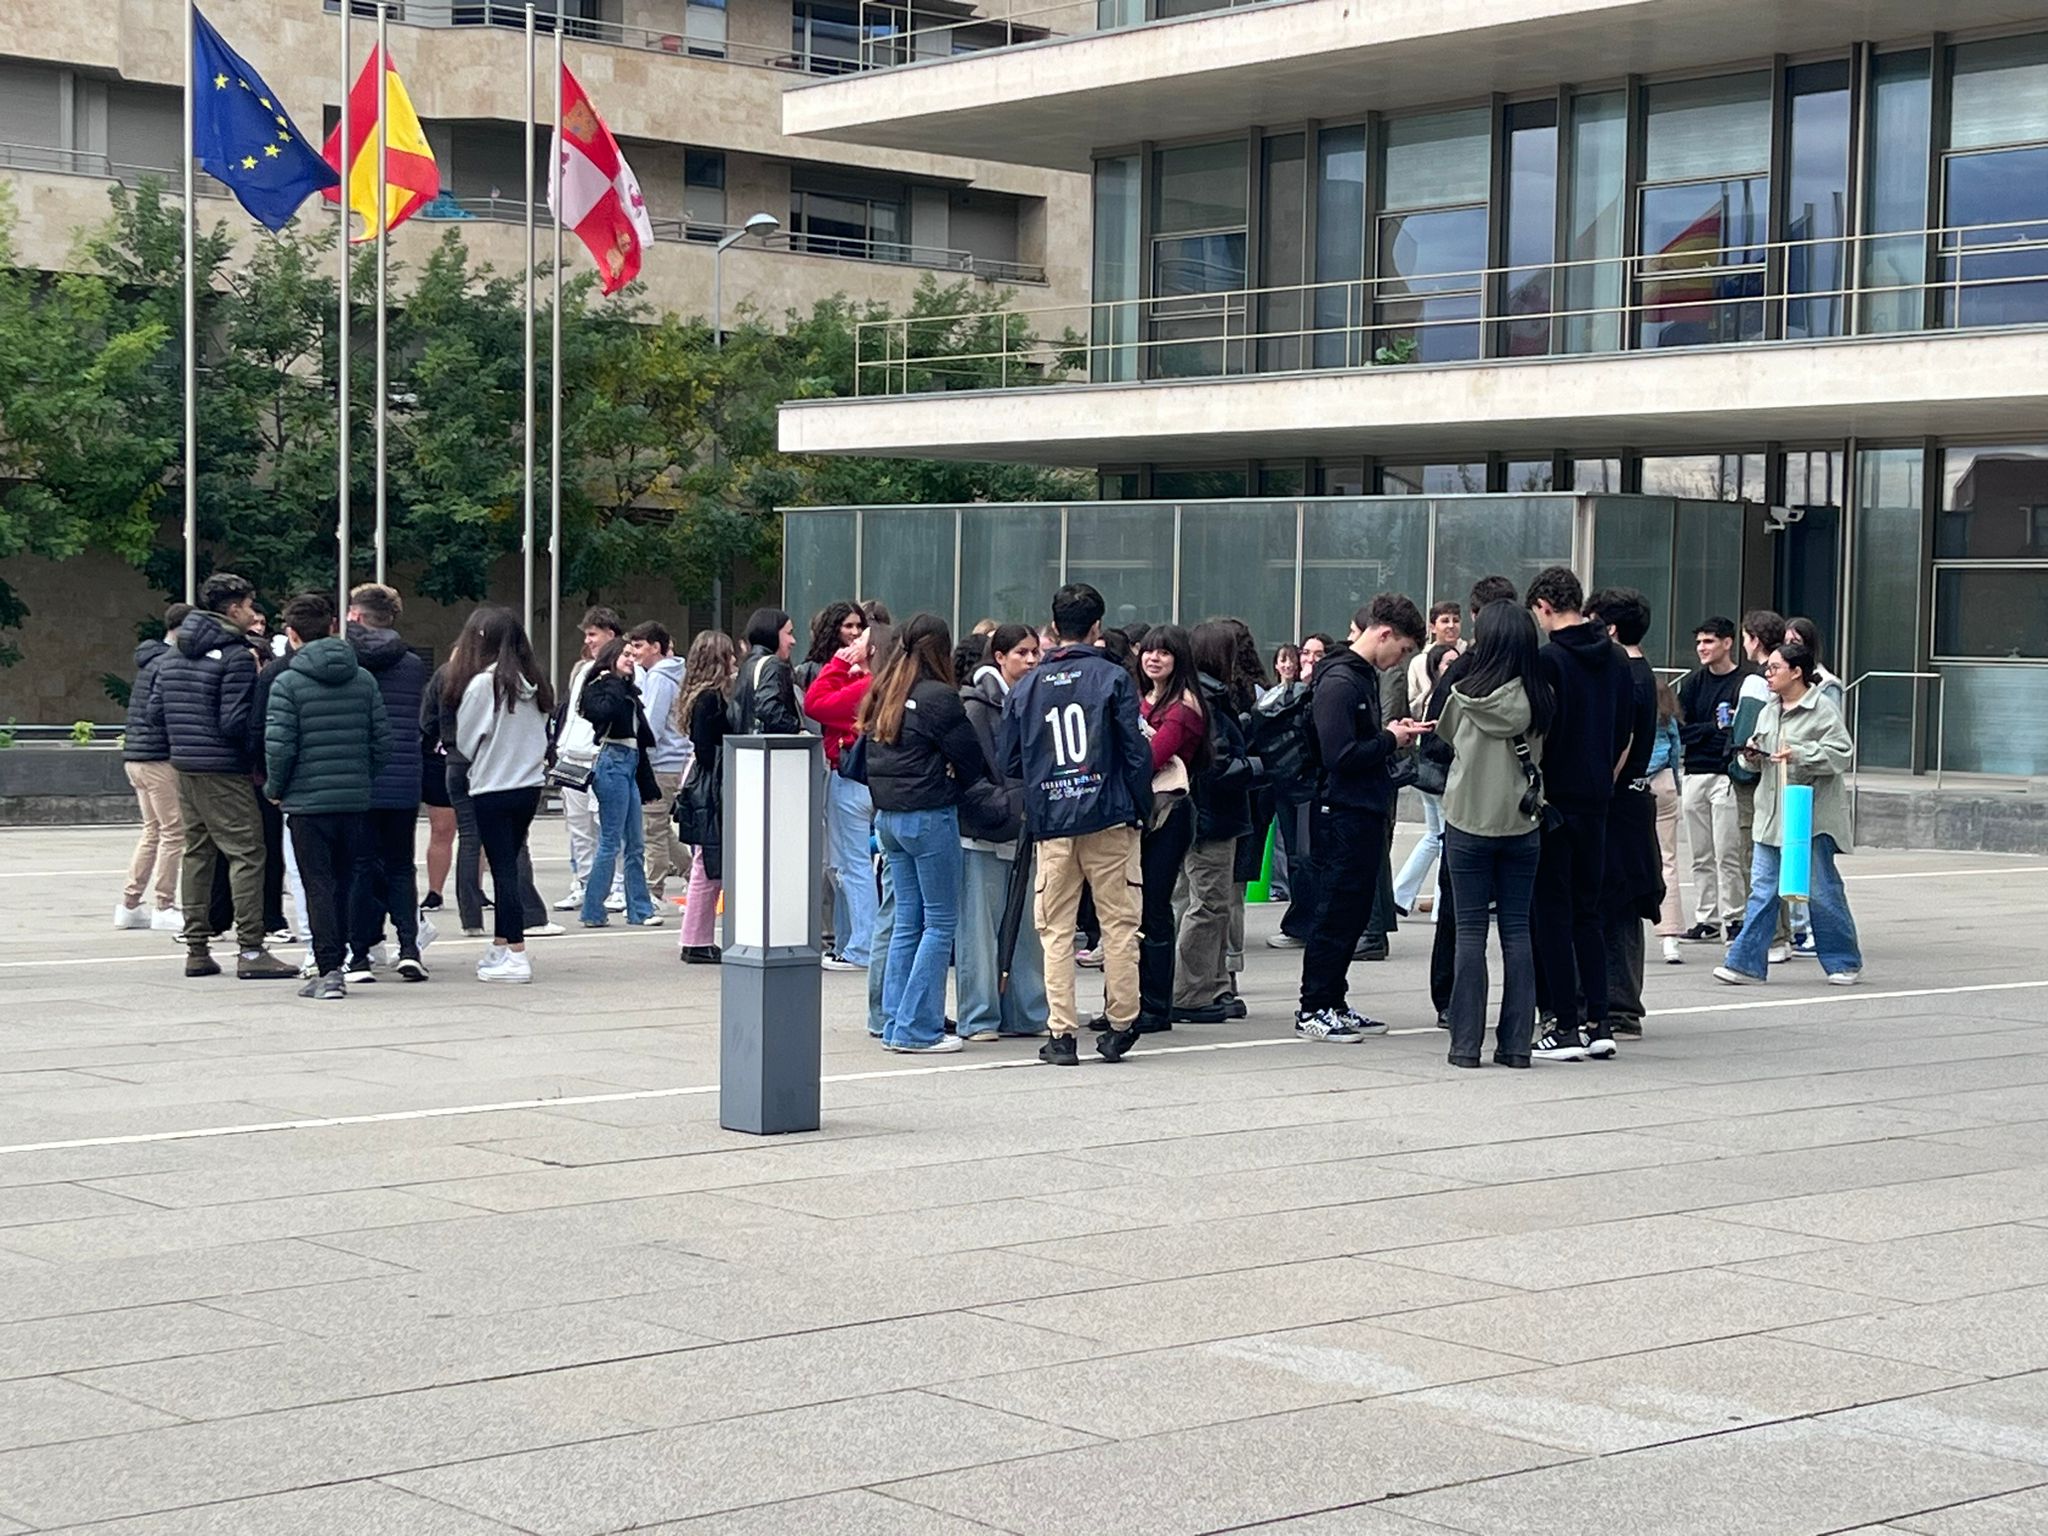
(1356, 752)
(401, 678)
(1589, 675)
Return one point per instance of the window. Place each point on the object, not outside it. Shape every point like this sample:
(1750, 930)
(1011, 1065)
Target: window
(1431, 236)
(1994, 268)
(1530, 239)
(704, 28)
(1593, 284)
(1705, 476)
(825, 38)
(850, 216)
(1198, 260)
(1705, 209)
(1817, 200)
(1115, 325)
(1282, 256)
(1901, 114)
(1991, 607)
(1433, 479)
(1340, 246)
(703, 194)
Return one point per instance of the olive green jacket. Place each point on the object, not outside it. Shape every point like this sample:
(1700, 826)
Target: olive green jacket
(1820, 745)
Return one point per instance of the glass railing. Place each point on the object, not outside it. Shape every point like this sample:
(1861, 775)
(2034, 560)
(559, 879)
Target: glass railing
(1976, 277)
(899, 32)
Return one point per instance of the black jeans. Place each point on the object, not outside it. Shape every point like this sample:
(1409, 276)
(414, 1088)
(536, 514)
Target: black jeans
(326, 843)
(1383, 919)
(1297, 838)
(1443, 947)
(1624, 943)
(1486, 871)
(469, 853)
(1570, 944)
(385, 884)
(1350, 845)
(1160, 854)
(502, 819)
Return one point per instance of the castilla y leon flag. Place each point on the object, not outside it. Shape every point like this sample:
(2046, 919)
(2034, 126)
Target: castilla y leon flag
(592, 190)
(410, 178)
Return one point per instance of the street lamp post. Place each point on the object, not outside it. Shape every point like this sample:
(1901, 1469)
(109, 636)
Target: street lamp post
(762, 224)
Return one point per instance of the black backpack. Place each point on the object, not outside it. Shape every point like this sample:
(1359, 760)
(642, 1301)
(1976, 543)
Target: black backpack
(1283, 739)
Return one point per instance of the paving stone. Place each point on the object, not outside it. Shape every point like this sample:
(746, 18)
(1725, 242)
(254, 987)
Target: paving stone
(1775, 1480)
(49, 1345)
(55, 1290)
(1614, 1250)
(1985, 1335)
(1258, 1191)
(293, 1176)
(2007, 1418)
(1938, 1267)
(32, 1204)
(1903, 1210)
(345, 1509)
(45, 1410)
(2012, 1514)
(861, 1513)
(671, 1474)
(1617, 1404)
(1621, 1317)
(220, 1226)
(1259, 1470)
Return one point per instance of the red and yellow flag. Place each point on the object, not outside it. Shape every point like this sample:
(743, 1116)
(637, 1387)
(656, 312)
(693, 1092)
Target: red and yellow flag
(411, 178)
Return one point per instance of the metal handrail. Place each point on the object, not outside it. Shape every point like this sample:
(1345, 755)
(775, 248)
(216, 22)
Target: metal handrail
(1645, 278)
(1856, 731)
(901, 41)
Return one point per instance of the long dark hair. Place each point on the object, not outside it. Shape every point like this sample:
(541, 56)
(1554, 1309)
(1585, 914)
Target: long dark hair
(825, 641)
(1504, 651)
(493, 641)
(1184, 685)
(1213, 645)
(764, 629)
(923, 649)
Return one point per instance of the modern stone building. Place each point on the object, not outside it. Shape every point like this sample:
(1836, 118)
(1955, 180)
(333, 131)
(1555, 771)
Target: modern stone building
(1765, 287)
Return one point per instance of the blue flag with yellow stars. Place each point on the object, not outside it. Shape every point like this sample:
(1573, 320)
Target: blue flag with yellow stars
(245, 138)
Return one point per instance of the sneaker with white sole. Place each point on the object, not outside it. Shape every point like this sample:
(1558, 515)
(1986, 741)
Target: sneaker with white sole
(1363, 1023)
(1325, 1024)
(1599, 1040)
(380, 956)
(572, 901)
(1559, 1045)
(1673, 952)
(1778, 954)
(1089, 959)
(126, 916)
(360, 973)
(651, 920)
(411, 968)
(167, 920)
(944, 1045)
(832, 962)
(1803, 947)
(545, 931)
(980, 1035)
(1736, 978)
(504, 965)
(1844, 978)
(1285, 941)
(615, 902)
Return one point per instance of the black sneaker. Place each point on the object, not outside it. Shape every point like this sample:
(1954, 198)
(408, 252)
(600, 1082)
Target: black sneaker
(1599, 1041)
(1371, 947)
(1207, 1013)
(1099, 1023)
(411, 968)
(326, 989)
(361, 972)
(262, 965)
(1060, 1051)
(1626, 1028)
(1326, 1024)
(1152, 1024)
(1735, 930)
(199, 963)
(1504, 1059)
(1115, 1044)
(1558, 1045)
(1443, 1021)
(1702, 933)
(1363, 1023)
(432, 902)
(1235, 1008)
(701, 954)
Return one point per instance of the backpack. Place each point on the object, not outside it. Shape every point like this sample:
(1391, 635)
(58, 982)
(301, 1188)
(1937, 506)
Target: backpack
(1282, 738)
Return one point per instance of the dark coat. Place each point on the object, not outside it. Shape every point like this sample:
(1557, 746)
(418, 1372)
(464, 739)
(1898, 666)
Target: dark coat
(933, 758)
(764, 702)
(1589, 677)
(204, 696)
(326, 732)
(991, 810)
(1097, 772)
(1223, 790)
(1354, 749)
(611, 703)
(401, 678)
(708, 722)
(146, 740)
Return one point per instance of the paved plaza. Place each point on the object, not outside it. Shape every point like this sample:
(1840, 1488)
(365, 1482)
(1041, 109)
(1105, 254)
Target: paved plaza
(449, 1260)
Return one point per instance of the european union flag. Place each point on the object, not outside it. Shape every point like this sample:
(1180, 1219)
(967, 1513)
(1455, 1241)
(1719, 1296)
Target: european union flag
(244, 137)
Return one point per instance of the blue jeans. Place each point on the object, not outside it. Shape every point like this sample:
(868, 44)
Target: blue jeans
(984, 886)
(923, 850)
(847, 814)
(1834, 928)
(617, 788)
(1408, 884)
(878, 967)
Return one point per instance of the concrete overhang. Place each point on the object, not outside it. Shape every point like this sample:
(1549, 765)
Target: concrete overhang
(1055, 103)
(1980, 382)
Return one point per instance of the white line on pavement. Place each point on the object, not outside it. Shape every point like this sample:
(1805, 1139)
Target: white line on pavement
(638, 1095)
(176, 954)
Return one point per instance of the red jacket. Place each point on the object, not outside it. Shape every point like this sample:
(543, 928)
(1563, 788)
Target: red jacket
(833, 700)
(1177, 731)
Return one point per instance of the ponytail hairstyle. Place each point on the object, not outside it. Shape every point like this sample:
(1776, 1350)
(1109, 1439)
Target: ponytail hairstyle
(922, 650)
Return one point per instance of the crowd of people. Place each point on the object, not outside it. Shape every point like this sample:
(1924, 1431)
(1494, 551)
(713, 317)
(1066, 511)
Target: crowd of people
(1026, 803)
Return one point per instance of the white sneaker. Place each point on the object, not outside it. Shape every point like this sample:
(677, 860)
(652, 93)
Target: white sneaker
(942, 1046)
(651, 920)
(380, 956)
(1673, 952)
(545, 931)
(615, 902)
(1844, 978)
(167, 920)
(572, 901)
(1735, 978)
(429, 930)
(504, 965)
(1778, 954)
(126, 916)
(832, 962)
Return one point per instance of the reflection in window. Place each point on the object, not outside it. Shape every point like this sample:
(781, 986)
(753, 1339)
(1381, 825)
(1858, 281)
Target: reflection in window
(907, 560)
(1531, 237)
(1901, 113)
(1705, 476)
(1340, 246)
(1433, 479)
(1885, 612)
(817, 560)
(1994, 261)
(1239, 560)
(1594, 283)
(1817, 199)
(1282, 257)
(844, 219)
(825, 39)
(1198, 260)
(1705, 210)
(1009, 561)
(1197, 482)
(1126, 554)
(1353, 550)
(1432, 236)
(1992, 504)
(1115, 325)
(1499, 537)
(703, 194)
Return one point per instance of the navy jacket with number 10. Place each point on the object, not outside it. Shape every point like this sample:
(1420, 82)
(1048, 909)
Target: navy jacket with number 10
(1071, 737)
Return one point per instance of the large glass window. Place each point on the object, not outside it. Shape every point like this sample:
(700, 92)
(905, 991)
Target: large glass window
(1468, 479)
(1704, 210)
(817, 561)
(1707, 565)
(1432, 236)
(1351, 551)
(1126, 554)
(1884, 565)
(1809, 552)
(1115, 325)
(824, 38)
(1901, 107)
(907, 560)
(1594, 283)
(1340, 246)
(1009, 563)
(849, 216)
(1817, 200)
(1239, 561)
(1531, 235)
(1199, 199)
(1499, 536)
(1994, 249)
(1705, 476)
(703, 194)
(1632, 547)
(1282, 256)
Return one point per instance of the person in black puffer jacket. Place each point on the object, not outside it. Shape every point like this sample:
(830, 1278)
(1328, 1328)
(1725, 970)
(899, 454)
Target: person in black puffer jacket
(386, 884)
(991, 821)
(1223, 814)
(146, 757)
(203, 698)
(623, 782)
(921, 754)
(764, 701)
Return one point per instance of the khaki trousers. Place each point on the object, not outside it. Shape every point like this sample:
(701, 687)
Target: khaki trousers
(1108, 862)
(1201, 972)
(665, 856)
(162, 844)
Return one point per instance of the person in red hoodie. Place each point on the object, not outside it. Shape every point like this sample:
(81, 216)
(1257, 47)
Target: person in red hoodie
(832, 700)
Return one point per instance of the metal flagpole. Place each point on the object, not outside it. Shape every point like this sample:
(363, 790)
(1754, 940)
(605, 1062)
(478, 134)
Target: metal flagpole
(526, 539)
(347, 165)
(383, 242)
(191, 333)
(555, 395)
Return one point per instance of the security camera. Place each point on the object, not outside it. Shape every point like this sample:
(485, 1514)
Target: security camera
(1783, 517)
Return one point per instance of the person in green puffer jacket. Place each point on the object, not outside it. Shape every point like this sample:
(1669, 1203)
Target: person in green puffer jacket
(326, 735)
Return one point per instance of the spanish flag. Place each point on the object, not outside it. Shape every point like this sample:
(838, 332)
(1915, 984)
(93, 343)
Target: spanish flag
(410, 178)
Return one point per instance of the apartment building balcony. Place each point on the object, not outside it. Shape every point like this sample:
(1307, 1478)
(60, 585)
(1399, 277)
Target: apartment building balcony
(1054, 102)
